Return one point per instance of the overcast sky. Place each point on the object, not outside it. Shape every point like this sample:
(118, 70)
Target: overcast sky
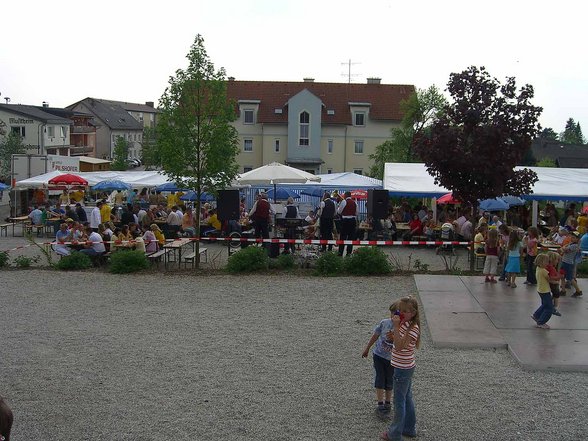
(63, 51)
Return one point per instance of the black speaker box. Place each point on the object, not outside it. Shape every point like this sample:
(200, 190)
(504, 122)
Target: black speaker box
(377, 204)
(227, 205)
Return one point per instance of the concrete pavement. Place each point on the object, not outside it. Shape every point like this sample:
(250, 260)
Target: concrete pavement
(465, 312)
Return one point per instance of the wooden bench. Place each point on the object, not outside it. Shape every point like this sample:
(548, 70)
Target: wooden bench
(4, 229)
(191, 256)
(156, 256)
(39, 229)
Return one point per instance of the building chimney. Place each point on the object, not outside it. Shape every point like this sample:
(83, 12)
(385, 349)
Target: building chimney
(231, 78)
(374, 80)
(150, 103)
(308, 80)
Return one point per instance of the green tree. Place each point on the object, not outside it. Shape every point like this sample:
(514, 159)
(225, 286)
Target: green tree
(548, 133)
(572, 133)
(120, 154)
(419, 110)
(546, 162)
(10, 145)
(149, 151)
(196, 143)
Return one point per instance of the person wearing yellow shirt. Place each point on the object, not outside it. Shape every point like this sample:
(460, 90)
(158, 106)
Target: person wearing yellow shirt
(172, 199)
(158, 234)
(582, 223)
(213, 220)
(105, 211)
(77, 196)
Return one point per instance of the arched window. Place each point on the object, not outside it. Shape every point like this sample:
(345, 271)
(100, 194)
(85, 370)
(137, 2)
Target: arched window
(304, 124)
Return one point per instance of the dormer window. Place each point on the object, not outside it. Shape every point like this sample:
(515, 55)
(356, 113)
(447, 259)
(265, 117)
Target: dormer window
(359, 119)
(304, 124)
(248, 116)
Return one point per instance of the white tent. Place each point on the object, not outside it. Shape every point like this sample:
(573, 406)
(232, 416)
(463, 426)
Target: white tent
(569, 184)
(137, 179)
(348, 179)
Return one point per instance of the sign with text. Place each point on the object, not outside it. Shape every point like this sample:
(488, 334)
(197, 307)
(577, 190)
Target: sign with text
(69, 164)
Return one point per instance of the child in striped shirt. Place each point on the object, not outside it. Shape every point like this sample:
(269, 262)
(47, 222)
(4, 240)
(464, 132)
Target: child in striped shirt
(407, 337)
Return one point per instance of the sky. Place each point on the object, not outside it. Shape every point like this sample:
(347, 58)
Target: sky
(62, 51)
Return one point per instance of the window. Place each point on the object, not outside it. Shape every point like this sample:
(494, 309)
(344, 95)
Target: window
(329, 146)
(360, 118)
(247, 145)
(51, 132)
(358, 171)
(63, 131)
(277, 145)
(19, 131)
(329, 171)
(248, 117)
(304, 129)
(246, 169)
(359, 147)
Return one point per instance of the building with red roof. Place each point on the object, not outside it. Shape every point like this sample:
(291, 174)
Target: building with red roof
(317, 127)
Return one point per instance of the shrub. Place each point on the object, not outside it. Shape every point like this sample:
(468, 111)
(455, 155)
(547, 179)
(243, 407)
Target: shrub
(329, 264)
(3, 259)
(128, 261)
(582, 268)
(248, 260)
(75, 261)
(24, 261)
(285, 261)
(367, 260)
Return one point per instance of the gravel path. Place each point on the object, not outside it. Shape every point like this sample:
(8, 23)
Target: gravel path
(92, 356)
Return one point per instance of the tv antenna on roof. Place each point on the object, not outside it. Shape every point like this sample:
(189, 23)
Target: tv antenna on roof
(349, 75)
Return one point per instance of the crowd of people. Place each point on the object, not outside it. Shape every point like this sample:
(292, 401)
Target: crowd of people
(138, 220)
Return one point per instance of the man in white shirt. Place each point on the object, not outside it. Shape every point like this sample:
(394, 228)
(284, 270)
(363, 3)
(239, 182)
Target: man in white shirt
(94, 245)
(174, 221)
(95, 217)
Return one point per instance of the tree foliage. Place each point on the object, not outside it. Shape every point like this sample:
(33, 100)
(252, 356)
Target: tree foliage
(474, 145)
(572, 133)
(10, 145)
(120, 154)
(549, 134)
(149, 151)
(419, 110)
(546, 162)
(196, 143)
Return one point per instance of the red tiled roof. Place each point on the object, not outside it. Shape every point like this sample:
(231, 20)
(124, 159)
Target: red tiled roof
(384, 99)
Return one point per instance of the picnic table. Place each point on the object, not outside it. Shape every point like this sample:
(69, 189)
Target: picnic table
(175, 247)
(18, 220)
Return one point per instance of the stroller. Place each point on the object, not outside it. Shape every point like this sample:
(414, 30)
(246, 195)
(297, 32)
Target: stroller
(447, 234)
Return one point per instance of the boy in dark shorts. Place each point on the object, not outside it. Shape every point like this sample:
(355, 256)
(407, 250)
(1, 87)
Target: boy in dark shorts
(383, 336)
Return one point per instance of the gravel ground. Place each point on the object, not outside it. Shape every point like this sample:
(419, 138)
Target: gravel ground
(93, 356)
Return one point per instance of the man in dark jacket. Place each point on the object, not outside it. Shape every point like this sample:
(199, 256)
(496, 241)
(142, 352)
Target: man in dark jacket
(327, 216)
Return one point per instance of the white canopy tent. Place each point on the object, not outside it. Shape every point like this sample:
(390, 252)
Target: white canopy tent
(555, 184)
(348, 179)
(136, 179)
(567, 184)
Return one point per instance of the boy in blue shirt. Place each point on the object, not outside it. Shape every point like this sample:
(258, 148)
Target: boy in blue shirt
(383, 336)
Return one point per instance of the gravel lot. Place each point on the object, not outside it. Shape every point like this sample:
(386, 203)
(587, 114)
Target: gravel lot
(93, 356)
